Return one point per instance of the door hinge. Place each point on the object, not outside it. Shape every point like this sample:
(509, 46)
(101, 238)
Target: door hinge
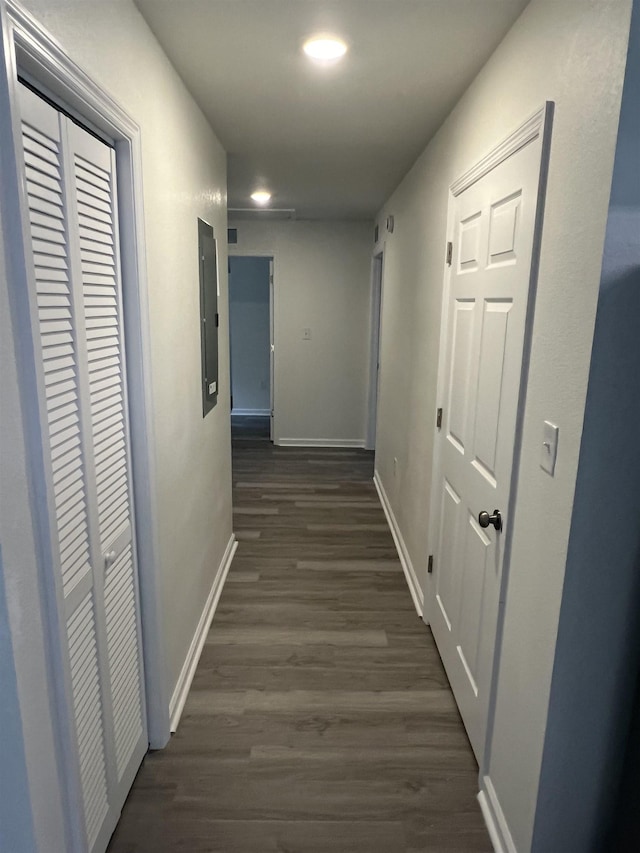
(449, 253)
(430, 565)
(439, 419)
(217, 320)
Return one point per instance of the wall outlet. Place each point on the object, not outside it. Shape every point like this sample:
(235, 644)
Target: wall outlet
(306, 334)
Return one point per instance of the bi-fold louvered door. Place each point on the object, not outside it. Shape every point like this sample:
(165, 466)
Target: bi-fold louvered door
(78, 343)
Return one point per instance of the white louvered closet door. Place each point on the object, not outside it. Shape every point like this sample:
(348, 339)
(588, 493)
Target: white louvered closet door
(78, 340)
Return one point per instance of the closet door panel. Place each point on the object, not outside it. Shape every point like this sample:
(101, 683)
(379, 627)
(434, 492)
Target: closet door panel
(57, 345)
(70, 183)
(94, 198)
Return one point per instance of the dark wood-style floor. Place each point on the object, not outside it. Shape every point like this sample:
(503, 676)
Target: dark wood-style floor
(250, 426)
(320, 718)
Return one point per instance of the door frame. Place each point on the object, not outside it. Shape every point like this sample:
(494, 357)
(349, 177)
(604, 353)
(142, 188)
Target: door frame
(538, 125)
(31, 51)
(377, 284)
(271, 256)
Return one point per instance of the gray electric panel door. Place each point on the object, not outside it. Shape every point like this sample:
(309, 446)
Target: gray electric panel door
(208, 315)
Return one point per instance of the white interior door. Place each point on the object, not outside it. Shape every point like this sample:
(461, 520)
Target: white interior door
(491, 270)
(77, 328)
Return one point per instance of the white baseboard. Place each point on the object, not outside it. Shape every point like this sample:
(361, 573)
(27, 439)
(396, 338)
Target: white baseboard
(405, 560)
(188, 670)
(251, 413)
(320, 442)
(494, 818)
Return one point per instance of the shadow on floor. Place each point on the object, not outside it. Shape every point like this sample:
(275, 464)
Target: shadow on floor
(244, 426)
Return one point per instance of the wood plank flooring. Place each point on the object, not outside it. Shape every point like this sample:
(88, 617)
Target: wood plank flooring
(250, 426)
(320, 718)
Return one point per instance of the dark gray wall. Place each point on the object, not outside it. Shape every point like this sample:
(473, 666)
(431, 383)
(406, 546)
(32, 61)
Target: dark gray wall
(625, 829)
(598, 648)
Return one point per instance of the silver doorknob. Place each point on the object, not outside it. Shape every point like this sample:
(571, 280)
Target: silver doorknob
(484, 519)
(109, 559)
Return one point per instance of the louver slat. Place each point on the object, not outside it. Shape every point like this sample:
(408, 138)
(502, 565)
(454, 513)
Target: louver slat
(94, 205)
(87, 702)
(123, 656)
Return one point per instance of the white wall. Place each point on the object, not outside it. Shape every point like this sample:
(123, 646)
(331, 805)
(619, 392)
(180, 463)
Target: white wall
(322, 282)
(184, 171)
(184, 174)
(572, 53)
(598, 648)
(250, 334)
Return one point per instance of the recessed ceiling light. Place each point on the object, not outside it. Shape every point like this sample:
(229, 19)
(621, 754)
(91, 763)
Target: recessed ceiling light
(325, 48)
(261, 196)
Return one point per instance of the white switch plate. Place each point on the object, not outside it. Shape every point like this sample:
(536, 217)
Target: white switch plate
(306, 334)
(549, 449)
(213, 387)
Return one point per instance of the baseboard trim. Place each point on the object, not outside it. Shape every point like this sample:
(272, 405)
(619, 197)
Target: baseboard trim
(401, 548)
(321, 442)
(179, 697)
(251, 413)
(494, 818)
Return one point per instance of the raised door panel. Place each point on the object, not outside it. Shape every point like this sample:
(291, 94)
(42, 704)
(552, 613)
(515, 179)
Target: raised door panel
(459, 382)
(448, 580)
(495, 321)
(475, 552)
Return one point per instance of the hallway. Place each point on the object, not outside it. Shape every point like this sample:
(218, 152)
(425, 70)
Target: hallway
(320, 719)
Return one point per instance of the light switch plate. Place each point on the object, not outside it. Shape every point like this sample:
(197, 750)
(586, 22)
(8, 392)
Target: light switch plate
(213, 387)
(306, 334)
(549, 449)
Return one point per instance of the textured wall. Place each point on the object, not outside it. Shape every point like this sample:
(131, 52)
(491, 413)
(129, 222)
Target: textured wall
(598, 648)
(322, 282)
(572, 53)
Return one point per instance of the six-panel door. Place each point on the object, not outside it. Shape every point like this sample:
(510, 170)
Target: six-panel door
(488, 298)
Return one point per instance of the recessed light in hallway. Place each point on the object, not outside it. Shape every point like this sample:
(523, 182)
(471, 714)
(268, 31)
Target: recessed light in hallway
(320, 718)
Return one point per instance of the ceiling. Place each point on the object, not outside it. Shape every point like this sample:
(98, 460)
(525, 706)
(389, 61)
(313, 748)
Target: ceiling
(330, 142)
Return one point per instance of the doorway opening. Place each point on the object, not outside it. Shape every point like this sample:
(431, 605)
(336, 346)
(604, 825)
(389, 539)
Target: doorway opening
(251, 346)
(374, 364)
